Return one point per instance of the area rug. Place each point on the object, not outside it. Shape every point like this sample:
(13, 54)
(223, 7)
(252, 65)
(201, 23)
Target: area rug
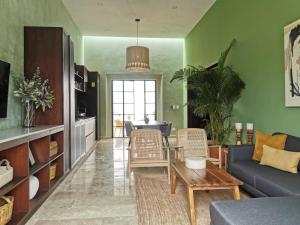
(157, 206)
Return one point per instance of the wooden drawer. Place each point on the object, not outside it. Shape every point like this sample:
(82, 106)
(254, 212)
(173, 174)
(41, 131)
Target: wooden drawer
(90, 126)
(90, 140)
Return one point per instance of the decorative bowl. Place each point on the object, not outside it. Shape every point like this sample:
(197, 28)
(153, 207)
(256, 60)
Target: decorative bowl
(33, 186)
(196, 163)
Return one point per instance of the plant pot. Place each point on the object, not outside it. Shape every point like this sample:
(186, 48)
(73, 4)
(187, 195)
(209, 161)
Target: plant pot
(29, 115)
(214, 153)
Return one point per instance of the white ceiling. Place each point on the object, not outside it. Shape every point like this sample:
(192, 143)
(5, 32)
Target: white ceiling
(159, 18)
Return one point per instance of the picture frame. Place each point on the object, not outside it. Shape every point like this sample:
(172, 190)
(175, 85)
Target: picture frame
(292, 64)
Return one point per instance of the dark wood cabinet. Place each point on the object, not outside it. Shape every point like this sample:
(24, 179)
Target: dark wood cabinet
(93, 100)
(51, 49)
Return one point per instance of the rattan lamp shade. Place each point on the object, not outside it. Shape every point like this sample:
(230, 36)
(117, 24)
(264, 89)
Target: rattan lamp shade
(137, 58)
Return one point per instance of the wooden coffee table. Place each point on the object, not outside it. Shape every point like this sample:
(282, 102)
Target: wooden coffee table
(211, 178)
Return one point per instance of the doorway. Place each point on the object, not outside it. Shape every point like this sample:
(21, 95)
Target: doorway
(132, 100)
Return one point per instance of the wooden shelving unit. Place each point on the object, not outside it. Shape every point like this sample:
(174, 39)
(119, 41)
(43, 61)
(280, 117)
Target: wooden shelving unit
(12, 185)
(18, 156)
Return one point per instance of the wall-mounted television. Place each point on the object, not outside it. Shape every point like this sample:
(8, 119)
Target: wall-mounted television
(4, 82)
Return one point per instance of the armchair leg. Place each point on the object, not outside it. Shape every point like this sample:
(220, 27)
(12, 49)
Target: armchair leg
(169, 169)
(169, 174)
(167, 141)
(129, 168)
(129, 175)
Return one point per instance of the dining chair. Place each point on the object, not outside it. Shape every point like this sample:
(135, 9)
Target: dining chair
(192, 142)
(165, 129)
(147, 150)
(128, 128)
(118, 127)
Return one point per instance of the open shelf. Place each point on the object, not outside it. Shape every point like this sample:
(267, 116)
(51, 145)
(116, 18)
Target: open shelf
(40, 149)
(17, 218)
(37, 167)
(11, 185)
(21, 204)
(53, 158)
(56, 181)
(78, 89)
(80, 86)
(78, 76)
(59, 138)
(59, 166)
(40, 197)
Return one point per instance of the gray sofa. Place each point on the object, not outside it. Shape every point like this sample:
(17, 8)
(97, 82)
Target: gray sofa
(260, 181)
(259, 211)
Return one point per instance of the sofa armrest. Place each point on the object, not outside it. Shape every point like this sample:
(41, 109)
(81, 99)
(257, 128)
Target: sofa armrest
(239, 153)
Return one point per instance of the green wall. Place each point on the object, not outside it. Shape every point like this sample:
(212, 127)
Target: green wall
(107, 55)
(258, 56)
(14, 15)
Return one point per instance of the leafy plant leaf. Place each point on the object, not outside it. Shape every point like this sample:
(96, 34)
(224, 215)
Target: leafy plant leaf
(34, 90)
(215, 92)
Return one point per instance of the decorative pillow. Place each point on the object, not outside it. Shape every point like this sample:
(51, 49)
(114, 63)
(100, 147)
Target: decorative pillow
(280, 159)
(276, 141)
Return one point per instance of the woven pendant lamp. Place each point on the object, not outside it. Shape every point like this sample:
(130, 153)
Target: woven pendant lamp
(137, 57)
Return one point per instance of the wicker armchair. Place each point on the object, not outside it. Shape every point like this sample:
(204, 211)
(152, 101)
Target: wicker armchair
(147, 150)
(192, 142)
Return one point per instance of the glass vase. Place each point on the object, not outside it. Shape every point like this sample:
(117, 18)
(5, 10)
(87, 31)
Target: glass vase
(28, 115)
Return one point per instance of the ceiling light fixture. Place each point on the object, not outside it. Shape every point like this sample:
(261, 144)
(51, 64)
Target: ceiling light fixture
(137, 57)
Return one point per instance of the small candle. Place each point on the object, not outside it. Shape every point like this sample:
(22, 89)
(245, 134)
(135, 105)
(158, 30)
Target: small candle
(249, 126)
(238, 126)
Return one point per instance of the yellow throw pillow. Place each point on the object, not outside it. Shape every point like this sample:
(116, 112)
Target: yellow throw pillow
(276, 141)
(280, 159)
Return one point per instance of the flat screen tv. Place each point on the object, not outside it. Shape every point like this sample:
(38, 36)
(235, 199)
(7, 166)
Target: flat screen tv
(4, 81)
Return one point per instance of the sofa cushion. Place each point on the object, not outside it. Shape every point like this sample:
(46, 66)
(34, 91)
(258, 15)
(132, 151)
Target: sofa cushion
(275, 141)
(267, 211)
(286, 184)
(248, 170)
(292, 144)
(280, 159)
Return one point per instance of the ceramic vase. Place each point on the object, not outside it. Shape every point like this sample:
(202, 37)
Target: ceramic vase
(146, 119)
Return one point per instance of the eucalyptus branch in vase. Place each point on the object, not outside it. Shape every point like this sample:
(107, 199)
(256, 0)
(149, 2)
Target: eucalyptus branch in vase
(34, 93)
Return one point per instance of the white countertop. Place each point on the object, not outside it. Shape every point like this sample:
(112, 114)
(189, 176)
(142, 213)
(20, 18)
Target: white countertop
(20, 132)
(80, 120)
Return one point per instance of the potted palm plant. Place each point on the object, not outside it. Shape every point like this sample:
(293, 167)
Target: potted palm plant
(34, 93)
(216, 90)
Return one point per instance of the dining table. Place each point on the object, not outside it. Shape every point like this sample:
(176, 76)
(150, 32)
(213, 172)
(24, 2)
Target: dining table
(153, 124)
(140, 124)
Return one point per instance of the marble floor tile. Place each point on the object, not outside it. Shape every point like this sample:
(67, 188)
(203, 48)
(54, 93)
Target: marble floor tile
(95, 193)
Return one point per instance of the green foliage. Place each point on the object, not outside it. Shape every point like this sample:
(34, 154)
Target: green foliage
(34, 90)
(215, 90)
